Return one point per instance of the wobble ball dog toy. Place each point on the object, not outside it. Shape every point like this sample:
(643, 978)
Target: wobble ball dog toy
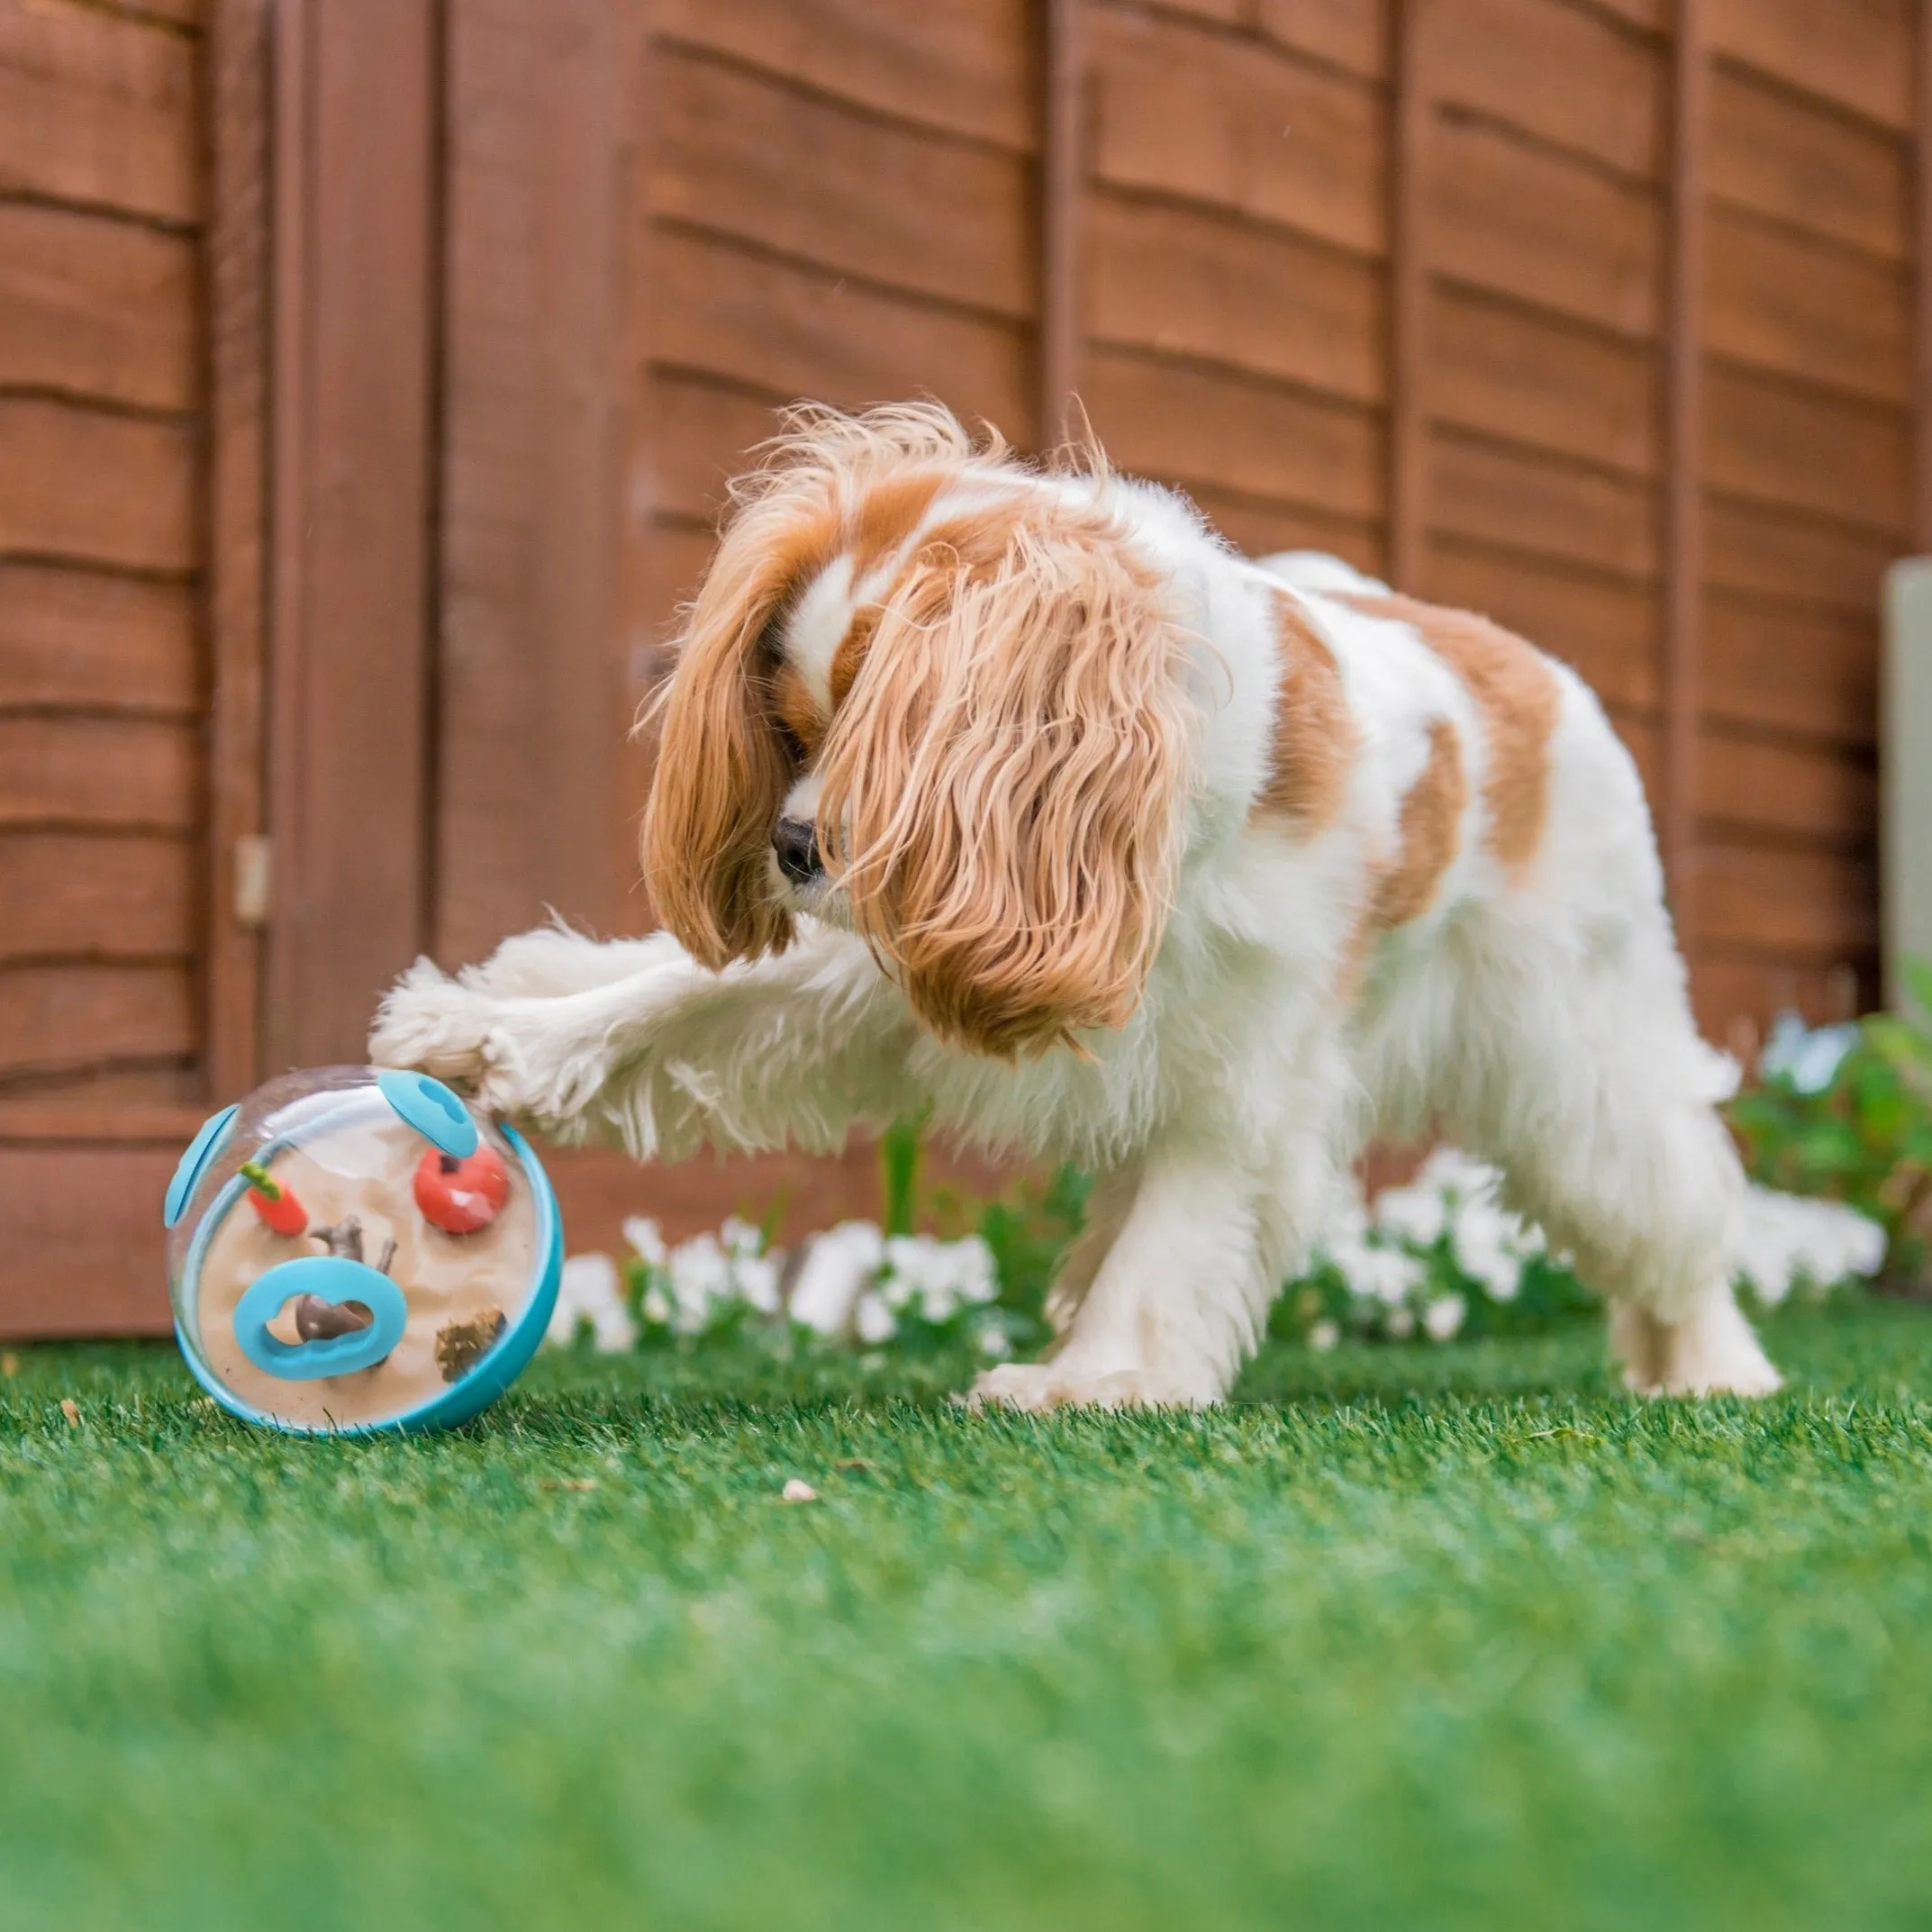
(353, 1250)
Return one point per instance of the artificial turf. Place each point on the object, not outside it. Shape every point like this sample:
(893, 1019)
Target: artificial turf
(1404, 1637)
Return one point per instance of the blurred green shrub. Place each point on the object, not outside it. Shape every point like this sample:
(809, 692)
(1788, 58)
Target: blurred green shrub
(1845, 1112)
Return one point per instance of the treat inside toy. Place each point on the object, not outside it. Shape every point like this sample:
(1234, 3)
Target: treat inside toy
(462, 1193)
(405, 1264)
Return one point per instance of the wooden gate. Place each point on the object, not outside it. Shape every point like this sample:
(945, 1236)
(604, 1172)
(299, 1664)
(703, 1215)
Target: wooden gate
(369, 370)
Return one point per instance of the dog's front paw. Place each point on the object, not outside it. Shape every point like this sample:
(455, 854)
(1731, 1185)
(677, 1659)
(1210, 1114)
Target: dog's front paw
(1039, 1386)
(436, 1024)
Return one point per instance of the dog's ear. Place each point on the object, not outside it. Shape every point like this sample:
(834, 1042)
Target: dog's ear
(1003, 787)
(722, 769)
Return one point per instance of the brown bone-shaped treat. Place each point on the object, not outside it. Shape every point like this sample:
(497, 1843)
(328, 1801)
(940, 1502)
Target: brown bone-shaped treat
(343, 1238)
(317, 1321)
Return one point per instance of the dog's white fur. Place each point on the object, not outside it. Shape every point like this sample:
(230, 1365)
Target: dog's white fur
(1537, 1016)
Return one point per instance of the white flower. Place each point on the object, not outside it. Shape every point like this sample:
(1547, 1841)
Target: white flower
(741, 1239)
(1443, 1316)
(1387, 1275)
(646, 1240)
(872, 1321)
(938, 1275)
(591, 1292)
(1415, 1213)
(1324, 1336)
(838, 1266)
(994, 1340)
(1400, 1324)
(756, 1279)
(1449, 1171)
(1486, 1245)
(657, 1305)
(700, 1274)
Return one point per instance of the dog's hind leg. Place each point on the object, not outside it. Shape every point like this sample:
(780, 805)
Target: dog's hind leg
(1586, 1081)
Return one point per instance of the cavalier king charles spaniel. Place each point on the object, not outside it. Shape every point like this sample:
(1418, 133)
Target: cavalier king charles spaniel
(1013, 798)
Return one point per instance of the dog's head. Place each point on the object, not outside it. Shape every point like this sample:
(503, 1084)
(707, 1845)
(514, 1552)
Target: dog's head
(932, 694)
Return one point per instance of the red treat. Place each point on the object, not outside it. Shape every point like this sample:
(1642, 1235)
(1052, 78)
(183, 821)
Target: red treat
(280, 1211)
(461, 1196)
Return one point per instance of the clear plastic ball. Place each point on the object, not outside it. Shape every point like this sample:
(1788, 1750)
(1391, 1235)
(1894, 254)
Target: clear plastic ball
(352, 1250)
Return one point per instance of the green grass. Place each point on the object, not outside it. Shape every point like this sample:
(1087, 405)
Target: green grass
(1403, 1637)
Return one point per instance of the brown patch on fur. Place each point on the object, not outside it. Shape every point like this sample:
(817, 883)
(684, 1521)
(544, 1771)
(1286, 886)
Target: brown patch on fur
(1314, 737)
(1512, 681)
(976, 540)
(886, 514)
(1428, 832)
(1432, 812)
(850, 654)
(797, 710)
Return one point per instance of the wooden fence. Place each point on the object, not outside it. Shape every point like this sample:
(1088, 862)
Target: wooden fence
(369, 370)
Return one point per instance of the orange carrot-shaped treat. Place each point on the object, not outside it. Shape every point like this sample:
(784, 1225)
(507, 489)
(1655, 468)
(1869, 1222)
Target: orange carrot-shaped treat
(276, 1204)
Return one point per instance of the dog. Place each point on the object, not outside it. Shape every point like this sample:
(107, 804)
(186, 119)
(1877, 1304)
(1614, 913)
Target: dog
(1010, 795)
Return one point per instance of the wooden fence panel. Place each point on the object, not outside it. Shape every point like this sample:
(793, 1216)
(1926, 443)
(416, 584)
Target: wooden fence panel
(532, 700)
(1605, 316)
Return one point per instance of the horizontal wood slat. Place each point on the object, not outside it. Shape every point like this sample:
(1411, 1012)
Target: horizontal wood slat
(1257, 527)
(1351, 33)
(72, 637)
(1531, 380)
(1222, 121)
(1796, 162)
(108, 772)
(160, 1101)
(702, 435)
(1564, 75)
(1804, 452)
(1654, 16)
(71, 895)
(1186, 282)
(97, 107)
(802, 333)
(178, 13)
(1802, 308)
(78, 483)
(1192, 424)
(1816, 795)
(744, 155)
(98, 307)
(1806, 906)
(82, 1250)
(1518, 500)
(1857, 54)
(1796, 667)
(63, 1019)
(1783, 554)
(967, 65)
(1547, 231)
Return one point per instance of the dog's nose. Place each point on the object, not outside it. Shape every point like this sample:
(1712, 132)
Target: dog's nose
(796, 843)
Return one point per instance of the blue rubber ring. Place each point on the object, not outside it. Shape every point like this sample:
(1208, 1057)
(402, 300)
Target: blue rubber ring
(199, 1152)
(334, 1278)
(432, 1109)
